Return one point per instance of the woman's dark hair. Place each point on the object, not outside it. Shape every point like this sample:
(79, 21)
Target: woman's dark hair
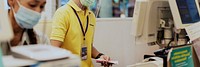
(8, 3)
(32, 36)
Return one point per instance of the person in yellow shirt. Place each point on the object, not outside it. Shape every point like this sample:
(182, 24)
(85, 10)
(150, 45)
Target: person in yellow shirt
(73, 29)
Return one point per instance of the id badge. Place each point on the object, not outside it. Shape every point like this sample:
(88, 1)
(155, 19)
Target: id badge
(84, 53)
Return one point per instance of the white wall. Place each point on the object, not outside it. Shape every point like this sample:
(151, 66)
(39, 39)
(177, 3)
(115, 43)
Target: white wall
(114, 37)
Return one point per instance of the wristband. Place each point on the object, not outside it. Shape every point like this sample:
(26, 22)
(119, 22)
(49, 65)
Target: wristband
(99, 55)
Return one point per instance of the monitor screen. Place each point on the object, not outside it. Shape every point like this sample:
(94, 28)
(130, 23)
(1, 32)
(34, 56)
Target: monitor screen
(188, 11)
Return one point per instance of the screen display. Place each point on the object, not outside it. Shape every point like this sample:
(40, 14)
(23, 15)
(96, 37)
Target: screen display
(188, 11)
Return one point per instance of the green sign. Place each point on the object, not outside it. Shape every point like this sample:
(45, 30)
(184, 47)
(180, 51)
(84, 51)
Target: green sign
(181, 57)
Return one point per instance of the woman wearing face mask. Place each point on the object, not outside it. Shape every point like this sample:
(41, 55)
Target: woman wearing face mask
(24, 15)
(73, 29)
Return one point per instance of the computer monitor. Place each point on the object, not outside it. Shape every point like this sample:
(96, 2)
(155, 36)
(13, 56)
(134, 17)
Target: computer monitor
(185, 12)
(6, 32)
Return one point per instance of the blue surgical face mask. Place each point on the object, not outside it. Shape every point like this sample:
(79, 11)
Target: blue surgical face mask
(87, 3)
(26, 18)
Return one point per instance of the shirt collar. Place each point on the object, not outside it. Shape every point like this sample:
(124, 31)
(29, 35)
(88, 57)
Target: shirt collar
(73, 4)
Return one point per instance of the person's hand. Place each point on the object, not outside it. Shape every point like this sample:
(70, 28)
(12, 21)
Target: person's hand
(105, 63)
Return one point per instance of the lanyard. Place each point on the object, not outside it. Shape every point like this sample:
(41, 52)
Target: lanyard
(81, 25)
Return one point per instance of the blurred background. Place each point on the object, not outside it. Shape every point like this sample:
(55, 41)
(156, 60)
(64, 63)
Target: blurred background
(108, 8)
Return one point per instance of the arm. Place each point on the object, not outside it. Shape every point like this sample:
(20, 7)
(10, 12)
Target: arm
(95, 52)
(56, 43)
(59, 27)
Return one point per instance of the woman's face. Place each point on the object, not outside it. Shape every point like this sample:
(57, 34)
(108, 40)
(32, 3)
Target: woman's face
(36, 5)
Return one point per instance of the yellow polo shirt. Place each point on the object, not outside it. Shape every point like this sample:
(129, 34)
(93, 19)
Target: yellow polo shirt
(66, 28)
